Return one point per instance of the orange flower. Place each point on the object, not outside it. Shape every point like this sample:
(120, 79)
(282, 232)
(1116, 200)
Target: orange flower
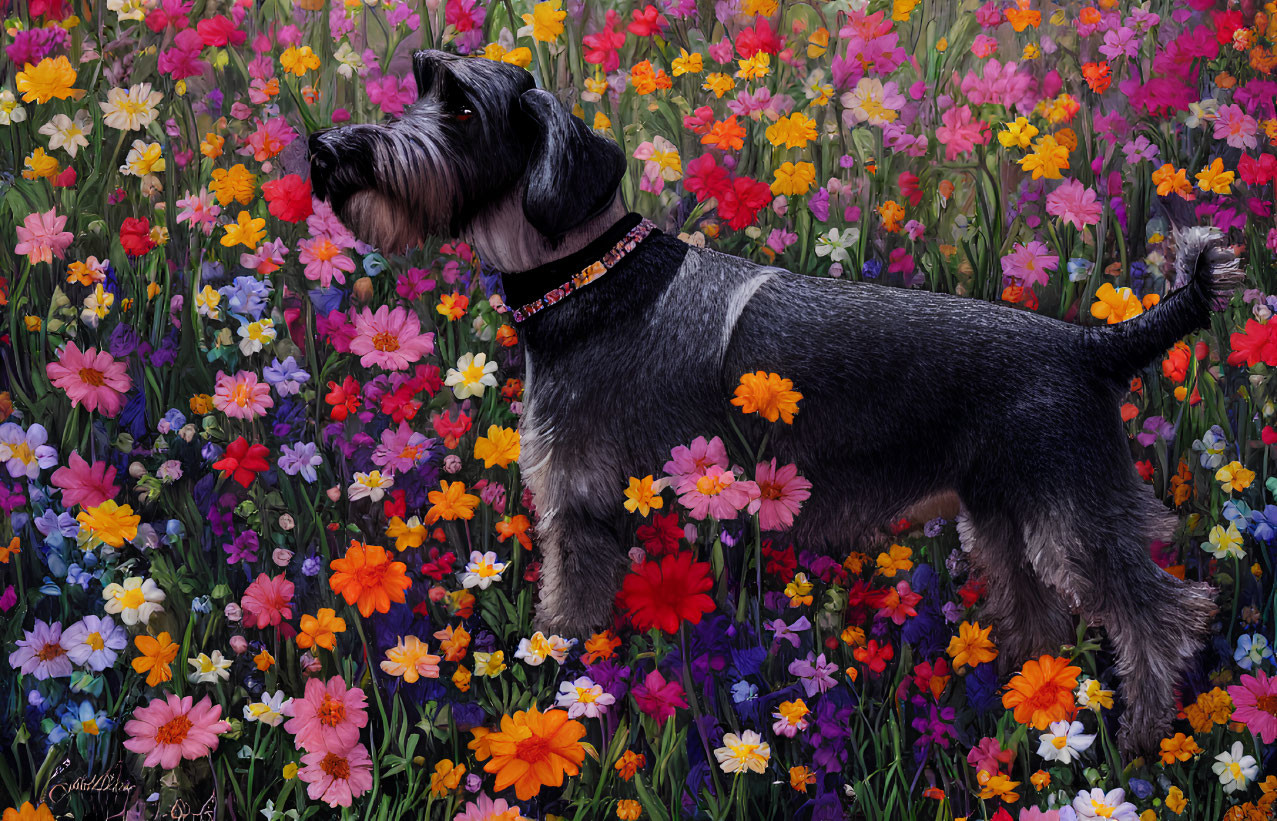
(768, 395)
(453, 306)
(451, 502)
(13, 549)
(1115, 305)
(726, 135)
(630, 763)
(600, 646)
(1097, 76)
(157, 654)
(366, 577)
(517, 527)
(1022, 16)
(1043, 692)
(320, 629)
(891, 214)
(1168, 178)
(535, 749)
(453, 642)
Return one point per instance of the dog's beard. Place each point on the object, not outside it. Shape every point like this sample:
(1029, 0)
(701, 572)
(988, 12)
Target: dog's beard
(382, 222)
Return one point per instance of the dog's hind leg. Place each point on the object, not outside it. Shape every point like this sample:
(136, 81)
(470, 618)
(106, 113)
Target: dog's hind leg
(1029, 618)
(1155, 621)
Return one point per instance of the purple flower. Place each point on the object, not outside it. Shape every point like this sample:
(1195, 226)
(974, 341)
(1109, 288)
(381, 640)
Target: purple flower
(814, 672)
(242, 549)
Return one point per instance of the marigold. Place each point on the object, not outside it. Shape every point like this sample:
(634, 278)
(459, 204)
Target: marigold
(109, 523)
(971, 646)
(1043, 692)
(726, 135)
(768, 395)
(367, 578)
(535, 749)
(49, 79)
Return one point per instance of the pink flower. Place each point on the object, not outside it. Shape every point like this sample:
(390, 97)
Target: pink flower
(390, 339)
(391, 94)
(691, 462)
(241, 396)
(267, 601)
(40, 236)
(85, 484)
(90, 378)
(200, 210)
(170, 729)
(328, 717)
(1027, 265)
(1236, 127)
(1075, 204)
(337, 777)
(1255, 704)
(401, 449)
(984, 46)
(781, 493)
(961, 132)
(324, 260)
(659, 698)
(42, 653)
(989, 756)
(1000, 85)
(718, 493)
(486, 809)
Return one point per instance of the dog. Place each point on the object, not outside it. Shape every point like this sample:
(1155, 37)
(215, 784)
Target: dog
(635, 346)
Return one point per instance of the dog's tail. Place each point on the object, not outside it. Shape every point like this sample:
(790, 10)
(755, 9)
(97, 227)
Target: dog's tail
(1206, 271)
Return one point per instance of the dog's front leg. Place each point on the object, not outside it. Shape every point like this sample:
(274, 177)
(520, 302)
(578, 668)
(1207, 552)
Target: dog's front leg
(583, 558)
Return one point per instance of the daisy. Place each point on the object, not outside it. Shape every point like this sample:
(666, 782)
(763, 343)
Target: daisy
(1255, 704)
(1064, 742)
(271, 710)
(746, 751)
(169, 729)
(781, 493)
(482, 571)
(1234, 769)
(583, 698)
(372, 486)
(42, 652)
(241, 396)
(390, 339)
(328, 716)
(68, 134)
(135, 601)
(90, 378)
(40, 237)
(473, 373)
(337, 776)
(24, 452)
(411, 659)
(94, 642)
(208, 669)
(131, 110)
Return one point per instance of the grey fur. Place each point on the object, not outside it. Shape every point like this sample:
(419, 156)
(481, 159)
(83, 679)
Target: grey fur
(907, 395)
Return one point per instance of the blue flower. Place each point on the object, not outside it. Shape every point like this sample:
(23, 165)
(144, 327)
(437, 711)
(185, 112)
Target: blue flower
(246, 296)
(1252, 650)
(286, 376)
(744, 691)
(301, 458)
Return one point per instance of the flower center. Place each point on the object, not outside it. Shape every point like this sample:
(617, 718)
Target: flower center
(1060, 742)
(335, 766)
(1267, 704)
(95, 641)
(533, 749)
(712, 485)
(90, 727)
(50, 651)
(92, 376)
(331, 713)
(1101, 810)
(770, 490)
(174, 730)
(132, 598)
(385, 342)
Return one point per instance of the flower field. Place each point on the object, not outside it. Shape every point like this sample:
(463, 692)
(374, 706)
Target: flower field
(265, 552)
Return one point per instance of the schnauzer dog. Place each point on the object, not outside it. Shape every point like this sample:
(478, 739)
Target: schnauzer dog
(907, 395)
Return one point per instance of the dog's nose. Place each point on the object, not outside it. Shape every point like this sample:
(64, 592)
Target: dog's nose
(323, 159)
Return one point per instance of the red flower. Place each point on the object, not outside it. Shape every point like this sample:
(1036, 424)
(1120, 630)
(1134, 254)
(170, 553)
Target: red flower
(438, 564)
(1254, 345)
(220, 31)
(65, 178)
(740, 204)
(426, 378)
(874, 655)
(396, 505)
(400, 405)
(647, 23)
(667, 594)
(700, 121)
(344, 398)
(909, 188)
(662, 535)
(705, 178)
(780, 563)
(288, 198)
(1175, 365)
(1226, 22)
(243, 461)
(760, 38)
(135, 236)
(1144, 468)
(602, 49)
(971, 592)
(53, 9)
(1255, 171)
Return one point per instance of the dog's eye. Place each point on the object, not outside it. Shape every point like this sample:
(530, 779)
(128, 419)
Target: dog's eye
(464, 114)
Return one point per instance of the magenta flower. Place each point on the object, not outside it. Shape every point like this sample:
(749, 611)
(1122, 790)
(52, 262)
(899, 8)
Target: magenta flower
(267, 602)
(1255, 704)
(1027, 265)
(659, 698)
(170, 729)
(781, 493)
(85, 484)
(40, 236)
(329, 716)
(90, 378)
(961, 132)
(1074, 204)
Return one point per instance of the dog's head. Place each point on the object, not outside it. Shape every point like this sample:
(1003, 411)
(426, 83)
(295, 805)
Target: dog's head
(480, 134)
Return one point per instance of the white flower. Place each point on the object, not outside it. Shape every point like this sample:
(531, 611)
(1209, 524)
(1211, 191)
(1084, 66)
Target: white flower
(1064, 742)
(10, 111)
(207, 302)
(348, 61)
(135, 601)
(1201, 113)
(271, 710)
(208, 669)
(583, 698)
(473, 373)
(539, 647)
(65, 133)
(1252, 650)
(746, 751)
(483, 570)
(371, 485)
(1234, 769)
(1094, 804)
(131, 110)
(835, 242)
(256, 335)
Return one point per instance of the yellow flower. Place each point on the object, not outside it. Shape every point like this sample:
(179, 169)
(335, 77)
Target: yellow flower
(686, 63)
(1214, 178)
(33, 323)
(1234, 477)
(1115, 305)
(641, 496)
(719, 83)
(898, 558)
(601, 122)
(795, 131)
(500, 447)
(211, 145)
(1031, 52)
(236, 184)
(1019, 133)
(461, 679)
(799, 590)
(1047, 159)
(972, 646)
(760, 8)
(290, 771)
(247, 232)
(768, 395)
(521, 57)
(298, 61)
(47, 80)
(756, 67)
(1179, 747)
(997, 786)
(818, 43)
(144, 159)
(1175, 800)
(409, 534)
(109, 523)
(901, 9)
(794, 179)
(489, 664)
(546, 20)
(41, 166)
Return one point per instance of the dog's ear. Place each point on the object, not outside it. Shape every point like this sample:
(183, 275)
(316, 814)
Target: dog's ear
(572, 172)
(423, 69)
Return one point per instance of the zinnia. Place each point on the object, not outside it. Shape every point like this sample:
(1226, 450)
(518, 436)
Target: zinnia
(336, 777)
(1255, 703)
(91, 378)
(781, 493)
(367, 578)
(389, 339)
(535, 749)
(329, 716)
(170, 729)
(267, 602)
(667, 593)
(1043, 692)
